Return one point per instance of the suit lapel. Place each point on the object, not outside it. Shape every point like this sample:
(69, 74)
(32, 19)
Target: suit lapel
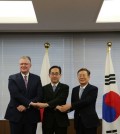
(58, 88)
(50, 88)
(85, 90)
(20, 81)
(77, 92)
(30, 81)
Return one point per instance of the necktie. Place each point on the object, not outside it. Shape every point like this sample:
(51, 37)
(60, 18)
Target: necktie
(54, 87)
(25, 80)
(80, 92)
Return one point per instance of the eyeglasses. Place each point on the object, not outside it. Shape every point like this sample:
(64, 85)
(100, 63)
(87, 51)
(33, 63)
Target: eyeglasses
(56, 74)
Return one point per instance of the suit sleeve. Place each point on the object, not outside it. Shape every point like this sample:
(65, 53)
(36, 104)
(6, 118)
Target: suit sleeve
(89, 99)
(39, 95)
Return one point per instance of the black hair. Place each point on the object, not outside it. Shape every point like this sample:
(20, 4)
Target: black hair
(55, 67)
(84, 69)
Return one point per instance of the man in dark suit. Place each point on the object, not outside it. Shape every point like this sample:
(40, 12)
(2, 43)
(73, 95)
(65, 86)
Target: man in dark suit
(83, 101)
(54, 121)
(25, 88)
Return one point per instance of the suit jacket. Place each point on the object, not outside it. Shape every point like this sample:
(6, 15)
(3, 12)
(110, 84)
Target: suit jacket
(85, 107)
(58, 97)
(19, 95)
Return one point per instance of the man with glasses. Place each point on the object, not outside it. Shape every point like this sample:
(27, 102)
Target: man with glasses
(55, 93)
(83, 102)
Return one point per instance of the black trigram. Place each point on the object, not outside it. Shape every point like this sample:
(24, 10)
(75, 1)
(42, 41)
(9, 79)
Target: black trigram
(110, 79)
(111, 132)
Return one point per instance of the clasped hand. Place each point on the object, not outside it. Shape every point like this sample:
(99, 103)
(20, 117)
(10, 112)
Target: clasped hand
(39, 105)
(63, 108)
(21, 108)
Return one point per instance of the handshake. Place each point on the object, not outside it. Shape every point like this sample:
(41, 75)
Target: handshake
(22, 108)
(62, 108)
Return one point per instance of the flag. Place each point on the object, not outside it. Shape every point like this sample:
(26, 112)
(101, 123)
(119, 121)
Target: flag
(111, 100)
(45, 69)
(44, 74)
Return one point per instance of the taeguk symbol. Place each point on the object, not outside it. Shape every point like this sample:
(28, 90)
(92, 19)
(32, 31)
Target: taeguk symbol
(111, 106)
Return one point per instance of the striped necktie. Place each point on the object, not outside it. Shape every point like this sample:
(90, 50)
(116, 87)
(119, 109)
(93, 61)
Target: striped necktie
(25, 80)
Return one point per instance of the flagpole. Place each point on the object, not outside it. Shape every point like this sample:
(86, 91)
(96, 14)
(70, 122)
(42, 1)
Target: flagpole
(45, 80)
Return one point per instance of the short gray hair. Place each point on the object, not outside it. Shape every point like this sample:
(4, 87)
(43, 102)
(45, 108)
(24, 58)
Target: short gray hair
(26, 57)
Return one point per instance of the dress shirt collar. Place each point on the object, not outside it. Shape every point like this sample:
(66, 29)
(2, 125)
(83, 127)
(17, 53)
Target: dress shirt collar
(25, 75)
(54, 84)
(83, 87)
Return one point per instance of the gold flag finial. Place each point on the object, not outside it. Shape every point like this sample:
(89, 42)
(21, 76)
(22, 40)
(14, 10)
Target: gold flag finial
(109, 44)
(47, 45)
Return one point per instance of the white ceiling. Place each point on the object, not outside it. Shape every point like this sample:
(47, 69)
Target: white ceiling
(64, 16)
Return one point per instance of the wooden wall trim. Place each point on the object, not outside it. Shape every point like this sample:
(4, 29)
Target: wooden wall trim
(5, 129)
